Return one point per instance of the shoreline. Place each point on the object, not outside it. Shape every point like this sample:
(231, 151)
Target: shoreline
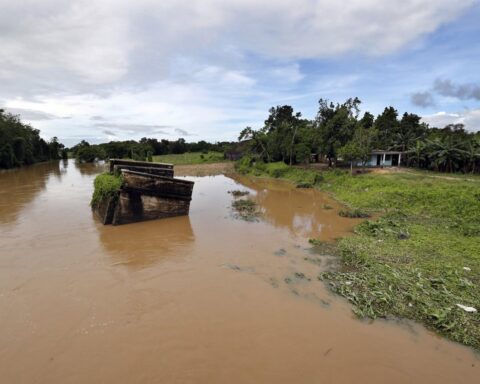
(408, 261)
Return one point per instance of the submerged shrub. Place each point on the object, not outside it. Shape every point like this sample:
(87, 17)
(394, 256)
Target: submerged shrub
(239, 193)
(353, 213)
(246, 209)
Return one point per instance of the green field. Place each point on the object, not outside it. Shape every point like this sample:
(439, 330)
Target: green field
(191, 158)
(418, 258)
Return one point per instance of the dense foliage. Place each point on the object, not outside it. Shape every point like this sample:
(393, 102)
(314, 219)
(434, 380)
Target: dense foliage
(20, 144)
(338, 132)
(145, 149)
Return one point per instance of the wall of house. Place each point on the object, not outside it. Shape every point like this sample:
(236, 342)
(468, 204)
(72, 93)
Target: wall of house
(372, 162)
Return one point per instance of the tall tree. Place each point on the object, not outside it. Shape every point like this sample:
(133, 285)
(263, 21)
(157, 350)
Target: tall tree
(387, 126)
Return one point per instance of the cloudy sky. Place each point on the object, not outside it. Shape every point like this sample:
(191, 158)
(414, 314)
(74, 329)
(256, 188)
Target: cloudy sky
(204, 69)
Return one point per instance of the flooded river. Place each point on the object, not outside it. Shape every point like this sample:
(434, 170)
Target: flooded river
(207, 298)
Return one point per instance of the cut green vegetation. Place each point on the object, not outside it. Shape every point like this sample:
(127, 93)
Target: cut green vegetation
(421, 259)
(191, 158)
(105, 187)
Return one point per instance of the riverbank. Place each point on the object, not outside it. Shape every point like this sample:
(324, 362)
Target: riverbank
(420, 259)
(189, 158)
(199, 170)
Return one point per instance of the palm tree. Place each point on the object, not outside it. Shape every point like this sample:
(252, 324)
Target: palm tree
(403, 140)
(445, 152)
(416, 154)
(471, 154)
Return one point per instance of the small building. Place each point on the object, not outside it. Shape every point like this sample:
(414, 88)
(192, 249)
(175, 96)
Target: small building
(381, 158)
(233, 155)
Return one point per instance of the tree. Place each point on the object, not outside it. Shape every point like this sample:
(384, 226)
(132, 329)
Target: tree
(359, 149)
(387, 126)
(471, 154)
(20, 144)
(446, 153)
(336, 125)
(259, 141)
(281, 127)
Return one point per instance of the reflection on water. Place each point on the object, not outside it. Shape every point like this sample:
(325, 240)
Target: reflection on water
(147, 242)
(305, 212)
(18, 188)
(199, 299)
(90, 169)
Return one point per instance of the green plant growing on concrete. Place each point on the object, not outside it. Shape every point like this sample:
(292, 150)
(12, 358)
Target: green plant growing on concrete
(105, 186)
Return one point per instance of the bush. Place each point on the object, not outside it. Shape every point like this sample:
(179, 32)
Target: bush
(105, 186)
(88, 154)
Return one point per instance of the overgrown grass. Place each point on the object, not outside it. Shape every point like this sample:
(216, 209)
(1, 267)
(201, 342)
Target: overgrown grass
(303, 178)
(191, 158)
(105, 186)
(420, 258)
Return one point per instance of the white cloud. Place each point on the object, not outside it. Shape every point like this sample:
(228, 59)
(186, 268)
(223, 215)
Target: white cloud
(223, 77)
(105, 41)
(82, 41)
(194, 65)
(470, 118)
(163, 110)
(289, 73)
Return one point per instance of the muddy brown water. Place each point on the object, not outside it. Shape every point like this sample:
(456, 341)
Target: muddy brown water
(201, 299)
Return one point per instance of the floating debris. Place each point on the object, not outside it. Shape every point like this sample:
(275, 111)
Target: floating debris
(467, 309)
(280, 252)
(246, 209)
(238, 193)
(313, 260)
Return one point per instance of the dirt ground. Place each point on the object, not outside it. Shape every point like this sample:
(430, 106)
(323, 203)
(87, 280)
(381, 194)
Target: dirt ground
(203, 169)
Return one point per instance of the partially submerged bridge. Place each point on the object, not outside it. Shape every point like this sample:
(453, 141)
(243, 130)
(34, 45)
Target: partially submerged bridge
(149, 191)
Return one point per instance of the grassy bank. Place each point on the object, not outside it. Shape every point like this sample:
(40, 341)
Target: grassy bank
(419, 258)
(191, 158)
(301, 177)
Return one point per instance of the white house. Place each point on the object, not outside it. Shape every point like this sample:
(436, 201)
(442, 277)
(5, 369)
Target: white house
(380, 158)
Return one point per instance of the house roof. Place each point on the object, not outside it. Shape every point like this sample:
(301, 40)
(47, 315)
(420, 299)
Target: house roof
(381, 152)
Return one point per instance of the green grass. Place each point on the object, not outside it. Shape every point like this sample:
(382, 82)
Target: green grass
(410, 262)
(303, 178)
(105, 186)
(191, 158)
(418, 258)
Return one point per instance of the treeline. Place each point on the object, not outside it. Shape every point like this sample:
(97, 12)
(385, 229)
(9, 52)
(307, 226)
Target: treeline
(339, 132)
(143, 150)
(20, 144)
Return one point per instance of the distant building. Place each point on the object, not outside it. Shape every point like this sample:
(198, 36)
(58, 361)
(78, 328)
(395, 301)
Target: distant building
(236, 151)
(381, 158)
(233, 155)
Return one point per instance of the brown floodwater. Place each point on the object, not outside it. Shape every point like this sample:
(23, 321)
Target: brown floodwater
(207, 298)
